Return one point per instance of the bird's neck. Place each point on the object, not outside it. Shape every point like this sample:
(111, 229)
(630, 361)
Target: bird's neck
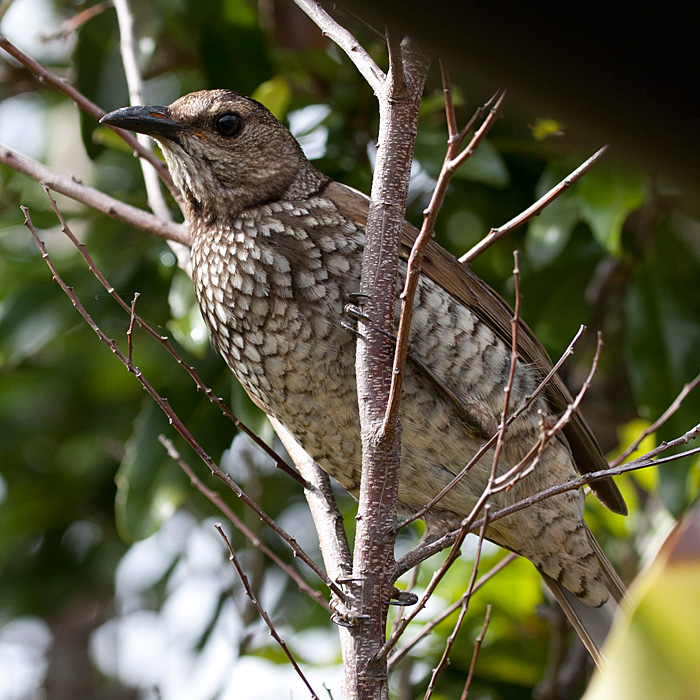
(216, 207)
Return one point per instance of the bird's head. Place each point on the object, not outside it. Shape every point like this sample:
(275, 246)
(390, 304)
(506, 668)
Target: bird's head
(226, 152)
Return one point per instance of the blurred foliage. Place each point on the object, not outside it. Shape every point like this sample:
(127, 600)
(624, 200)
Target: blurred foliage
(78, 437)
(651, 660)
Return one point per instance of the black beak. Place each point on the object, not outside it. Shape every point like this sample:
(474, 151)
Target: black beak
(144, 120)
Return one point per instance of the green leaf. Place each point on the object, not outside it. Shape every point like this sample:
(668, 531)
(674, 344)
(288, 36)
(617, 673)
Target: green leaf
(544, 128)
(607, 195)
(275, 94)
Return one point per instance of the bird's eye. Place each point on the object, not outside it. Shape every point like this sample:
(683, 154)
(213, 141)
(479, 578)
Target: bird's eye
(229, 124)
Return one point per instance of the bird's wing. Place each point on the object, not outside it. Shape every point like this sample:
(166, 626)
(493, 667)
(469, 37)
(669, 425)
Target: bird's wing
(462, 284)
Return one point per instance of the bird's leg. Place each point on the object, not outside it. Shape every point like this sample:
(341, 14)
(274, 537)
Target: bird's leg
(342, 614)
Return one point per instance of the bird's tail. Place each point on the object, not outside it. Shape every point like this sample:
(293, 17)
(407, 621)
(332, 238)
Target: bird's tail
(592, 624)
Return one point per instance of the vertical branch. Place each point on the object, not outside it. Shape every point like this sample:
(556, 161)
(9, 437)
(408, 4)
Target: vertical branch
(373, 571)
(127, 46)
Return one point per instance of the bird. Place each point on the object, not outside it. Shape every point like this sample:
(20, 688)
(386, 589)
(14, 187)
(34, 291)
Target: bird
(276, 250)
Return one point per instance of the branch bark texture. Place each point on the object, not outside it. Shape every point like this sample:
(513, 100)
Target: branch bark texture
(374, 565)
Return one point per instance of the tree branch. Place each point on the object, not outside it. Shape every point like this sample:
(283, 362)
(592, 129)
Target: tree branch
(495, 234)
(68, 186)
(364, 63)
(127, 48)
(651, 459)
(261, 611)
(415, 260)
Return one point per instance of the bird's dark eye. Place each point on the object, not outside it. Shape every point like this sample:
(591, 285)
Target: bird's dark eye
(229, 124)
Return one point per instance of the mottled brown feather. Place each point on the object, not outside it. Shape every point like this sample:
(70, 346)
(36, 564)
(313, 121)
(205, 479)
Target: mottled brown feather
(462, 284)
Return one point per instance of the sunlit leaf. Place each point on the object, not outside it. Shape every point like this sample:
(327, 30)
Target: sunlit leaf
(275, 94)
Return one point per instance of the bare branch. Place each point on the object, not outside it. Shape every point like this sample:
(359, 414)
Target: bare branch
(46, 76)
(452, 129)
(479, 135)
(324, 509)
(659, 421)
(133, 216)
(216, 499)
(130, 330)
(477, 648)
(462, 614)
(495, 234)
(415, 260)
(364, 63)
(127, 47)
(249, 592)
(515, 325)
(650, 459)
(430, 626)
(74, 23)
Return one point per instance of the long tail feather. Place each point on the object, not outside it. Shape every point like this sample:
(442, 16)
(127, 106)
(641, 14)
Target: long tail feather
(592, 624)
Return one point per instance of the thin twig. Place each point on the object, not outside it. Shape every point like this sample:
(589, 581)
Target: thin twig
(479, 134)
(130, 330)
(70, 26)
(415, 259)
(477, 647)
(70, 187)
(450, 115)
(650, 459)
(44, 75)
(165, 342)
(515, 325)
(462, 614)
(218, 501)
(174, 419)
(127, 48)
(659, 421)
(364, 63)
(526, 403)
(430, 626)
(332, 537)
(495, 234)
(249, 592)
